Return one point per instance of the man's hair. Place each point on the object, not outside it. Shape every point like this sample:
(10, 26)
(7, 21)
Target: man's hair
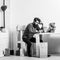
(37, 19)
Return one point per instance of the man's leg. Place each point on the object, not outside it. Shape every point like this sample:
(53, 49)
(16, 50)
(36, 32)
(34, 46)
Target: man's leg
(29, 50)
(33, 40)
(28, 42)
(28, 46)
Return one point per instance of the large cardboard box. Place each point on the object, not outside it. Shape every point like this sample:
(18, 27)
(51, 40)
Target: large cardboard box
(39, 49)
(43, 49)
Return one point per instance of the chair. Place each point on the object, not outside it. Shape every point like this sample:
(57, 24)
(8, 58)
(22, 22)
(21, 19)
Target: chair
(20, 44)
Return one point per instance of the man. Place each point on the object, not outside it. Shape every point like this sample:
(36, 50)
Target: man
(29, 32)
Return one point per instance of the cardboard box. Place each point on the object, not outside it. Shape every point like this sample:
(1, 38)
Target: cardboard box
(39, 49)
(43, 49)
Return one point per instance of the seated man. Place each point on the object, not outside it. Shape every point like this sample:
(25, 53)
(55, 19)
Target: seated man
(30, 30)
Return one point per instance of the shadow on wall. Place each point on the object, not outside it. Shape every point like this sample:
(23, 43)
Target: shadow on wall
(10, 40)
(53, 42)
(0, 9)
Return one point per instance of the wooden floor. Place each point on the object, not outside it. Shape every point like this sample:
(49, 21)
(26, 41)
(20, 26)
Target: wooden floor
(29, 58)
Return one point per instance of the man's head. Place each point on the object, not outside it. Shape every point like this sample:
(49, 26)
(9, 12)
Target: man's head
(36, 21)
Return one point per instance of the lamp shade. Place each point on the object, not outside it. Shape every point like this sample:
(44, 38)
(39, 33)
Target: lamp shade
(4, 7)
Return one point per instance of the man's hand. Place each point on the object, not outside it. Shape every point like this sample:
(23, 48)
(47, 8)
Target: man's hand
(37, 31)
(35, 35)
(40, 31)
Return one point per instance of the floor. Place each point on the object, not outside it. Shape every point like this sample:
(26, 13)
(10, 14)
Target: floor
(55, 57)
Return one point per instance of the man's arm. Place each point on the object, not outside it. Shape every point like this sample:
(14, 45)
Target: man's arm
(32, 30)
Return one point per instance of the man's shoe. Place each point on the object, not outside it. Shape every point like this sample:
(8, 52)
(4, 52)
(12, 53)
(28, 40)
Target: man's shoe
(29, 55)
(49, 55)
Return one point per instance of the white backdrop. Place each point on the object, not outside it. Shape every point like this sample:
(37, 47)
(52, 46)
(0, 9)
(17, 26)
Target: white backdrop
(23, 12)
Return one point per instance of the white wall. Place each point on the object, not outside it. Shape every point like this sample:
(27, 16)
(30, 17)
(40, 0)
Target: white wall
(24, 11)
